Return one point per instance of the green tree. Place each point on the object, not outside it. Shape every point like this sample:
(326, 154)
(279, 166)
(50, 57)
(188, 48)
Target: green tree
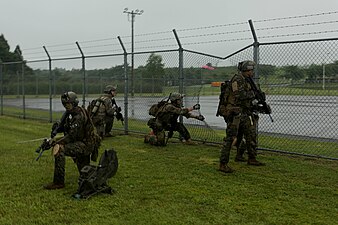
(7, 56)
(313, 72)
(154, 67)
(266, 71)
(293, 73)
(154, 72)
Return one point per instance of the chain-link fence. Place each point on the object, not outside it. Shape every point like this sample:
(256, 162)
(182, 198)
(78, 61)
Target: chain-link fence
(300, 80)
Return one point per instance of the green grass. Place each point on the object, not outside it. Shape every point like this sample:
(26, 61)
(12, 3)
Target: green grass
(177, 184)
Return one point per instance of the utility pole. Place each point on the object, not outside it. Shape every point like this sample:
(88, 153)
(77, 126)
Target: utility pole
(133, 13)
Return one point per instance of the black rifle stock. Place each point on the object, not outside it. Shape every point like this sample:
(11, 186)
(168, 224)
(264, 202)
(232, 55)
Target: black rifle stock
(260, 96)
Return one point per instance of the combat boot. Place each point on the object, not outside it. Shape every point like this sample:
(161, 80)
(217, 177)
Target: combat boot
(254, 162)
(225, 168)
(240, 158)
(188, 142)
(54, 186)
(108, 135)
(146, 138)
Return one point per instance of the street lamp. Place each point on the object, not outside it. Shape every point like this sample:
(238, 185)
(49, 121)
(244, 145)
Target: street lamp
(133, 13)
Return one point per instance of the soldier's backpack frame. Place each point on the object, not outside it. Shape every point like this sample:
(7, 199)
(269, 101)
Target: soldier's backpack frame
(93, 179)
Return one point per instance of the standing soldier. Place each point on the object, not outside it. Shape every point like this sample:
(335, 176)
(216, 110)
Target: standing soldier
(80, 140)
(102, 111)
(240, 116)
(166, 120)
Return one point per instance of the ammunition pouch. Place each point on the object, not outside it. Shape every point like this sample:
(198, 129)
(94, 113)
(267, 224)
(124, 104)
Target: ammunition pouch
(229, 111)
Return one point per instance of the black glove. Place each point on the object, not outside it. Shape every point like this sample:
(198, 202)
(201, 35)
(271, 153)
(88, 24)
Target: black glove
(200, 117)
(196, 107)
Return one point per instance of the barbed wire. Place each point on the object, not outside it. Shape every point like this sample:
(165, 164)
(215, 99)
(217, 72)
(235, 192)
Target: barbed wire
(299, 34)
(297, 25)
(191, 36)
(296, 17)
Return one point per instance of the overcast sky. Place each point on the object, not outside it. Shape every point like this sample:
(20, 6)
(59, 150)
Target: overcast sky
(35, 23)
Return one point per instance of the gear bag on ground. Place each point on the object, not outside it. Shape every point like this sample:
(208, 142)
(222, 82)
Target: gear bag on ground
(93, 179)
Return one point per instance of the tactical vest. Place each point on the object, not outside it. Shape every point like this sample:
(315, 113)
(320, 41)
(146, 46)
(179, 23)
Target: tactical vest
(92, 139)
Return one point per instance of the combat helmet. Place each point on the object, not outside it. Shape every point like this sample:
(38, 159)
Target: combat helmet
(175, 96)
(69, 97)
(246, 65)
(109, 88)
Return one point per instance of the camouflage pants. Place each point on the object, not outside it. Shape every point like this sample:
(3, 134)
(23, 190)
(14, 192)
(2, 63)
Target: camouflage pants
(109, 124)
(99, 124)
(77, 151)
(238, 127)
(182, 130)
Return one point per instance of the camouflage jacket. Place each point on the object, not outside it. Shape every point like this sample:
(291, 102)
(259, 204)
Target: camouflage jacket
(75, 126)
(106, 107)
(169, 114)
(241, 94)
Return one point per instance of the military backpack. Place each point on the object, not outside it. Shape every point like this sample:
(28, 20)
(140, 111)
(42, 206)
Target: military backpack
(223, 97)
(155, 109)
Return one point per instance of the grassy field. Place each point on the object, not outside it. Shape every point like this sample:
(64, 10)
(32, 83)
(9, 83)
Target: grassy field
(178, 184)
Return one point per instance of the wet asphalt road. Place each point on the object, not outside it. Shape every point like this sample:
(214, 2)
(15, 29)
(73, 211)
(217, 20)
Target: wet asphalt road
(310, 116)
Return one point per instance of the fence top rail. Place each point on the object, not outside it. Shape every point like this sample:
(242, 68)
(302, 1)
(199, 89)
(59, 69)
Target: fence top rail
(201, 53)
(299, 41)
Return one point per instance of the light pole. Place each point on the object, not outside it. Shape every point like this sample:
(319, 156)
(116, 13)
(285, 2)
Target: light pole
(133, 13)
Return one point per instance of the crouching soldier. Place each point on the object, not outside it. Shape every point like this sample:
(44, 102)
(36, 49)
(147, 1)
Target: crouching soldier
(165, 119)
(80, 140)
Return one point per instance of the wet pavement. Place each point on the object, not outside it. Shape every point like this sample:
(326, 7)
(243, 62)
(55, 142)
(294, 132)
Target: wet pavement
(309, 116)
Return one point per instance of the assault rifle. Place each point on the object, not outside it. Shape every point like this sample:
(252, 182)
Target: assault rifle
(118, 115)
(47, 143)
(260, 96)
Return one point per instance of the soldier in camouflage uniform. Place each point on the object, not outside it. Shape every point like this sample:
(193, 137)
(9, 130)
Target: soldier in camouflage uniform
(240, 117)
(103, 112)
(109, 119)
(76, 141)
(166, 120)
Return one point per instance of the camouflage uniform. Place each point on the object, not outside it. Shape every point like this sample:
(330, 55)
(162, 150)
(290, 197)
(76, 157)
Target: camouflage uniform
(241, 119)
(75, 142)
(104, 114)
(166, 119)
(110, 120)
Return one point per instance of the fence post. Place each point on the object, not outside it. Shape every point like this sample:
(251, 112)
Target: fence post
(1, 88)
(84, 75)
(180, 68)
(126, 85)
(255, 52)
(50, 86)
(256, 59)
(23, 88)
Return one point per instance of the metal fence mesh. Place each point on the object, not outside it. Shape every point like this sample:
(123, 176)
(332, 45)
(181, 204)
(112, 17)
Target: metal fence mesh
(300, 80)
